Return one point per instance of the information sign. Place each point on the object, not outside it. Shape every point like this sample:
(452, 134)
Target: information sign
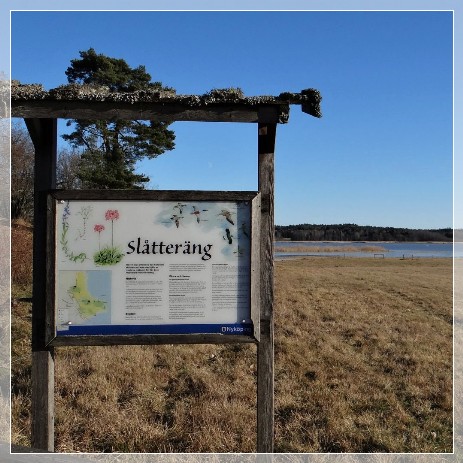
(154, 263)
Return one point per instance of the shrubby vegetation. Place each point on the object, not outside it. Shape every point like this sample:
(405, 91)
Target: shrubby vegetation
(352, 232)
(22, 173)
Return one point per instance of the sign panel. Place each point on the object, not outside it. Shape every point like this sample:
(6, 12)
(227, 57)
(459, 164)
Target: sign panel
(152, 266)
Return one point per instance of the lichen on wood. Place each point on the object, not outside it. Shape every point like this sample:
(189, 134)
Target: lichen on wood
(232, 98)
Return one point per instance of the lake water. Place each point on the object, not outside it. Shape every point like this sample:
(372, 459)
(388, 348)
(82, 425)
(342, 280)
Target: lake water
(395, 250)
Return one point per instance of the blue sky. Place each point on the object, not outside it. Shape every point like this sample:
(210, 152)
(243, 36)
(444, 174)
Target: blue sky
(382, 153)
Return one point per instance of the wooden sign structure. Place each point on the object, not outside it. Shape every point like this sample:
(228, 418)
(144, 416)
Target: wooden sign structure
(187, 273)
(41, 109)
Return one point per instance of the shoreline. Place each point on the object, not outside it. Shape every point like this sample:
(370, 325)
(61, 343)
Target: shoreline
(367, 242)
(285, 256)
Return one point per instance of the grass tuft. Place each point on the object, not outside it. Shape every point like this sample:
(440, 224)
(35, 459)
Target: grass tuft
(108, 256)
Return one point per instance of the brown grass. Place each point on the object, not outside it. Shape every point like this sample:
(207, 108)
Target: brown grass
(363, 363)
(4, 330)
(21, 254)
(364, 355)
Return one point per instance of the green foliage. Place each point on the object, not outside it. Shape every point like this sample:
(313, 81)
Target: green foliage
(112, 148)
(65, 246)
(108, 256)
(114, 73)
(96, 172)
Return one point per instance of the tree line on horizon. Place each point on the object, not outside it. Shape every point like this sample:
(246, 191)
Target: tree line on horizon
(353, 232)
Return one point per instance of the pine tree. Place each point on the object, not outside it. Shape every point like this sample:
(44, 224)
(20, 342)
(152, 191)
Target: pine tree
(112, 148)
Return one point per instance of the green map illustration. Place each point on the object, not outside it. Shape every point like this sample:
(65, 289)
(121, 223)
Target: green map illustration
(88, 306)
(84, 298)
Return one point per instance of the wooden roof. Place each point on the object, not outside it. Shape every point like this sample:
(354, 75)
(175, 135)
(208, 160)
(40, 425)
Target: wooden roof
(76, 101)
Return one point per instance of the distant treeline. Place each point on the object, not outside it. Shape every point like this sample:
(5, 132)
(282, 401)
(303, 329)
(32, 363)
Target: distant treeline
(352, 232)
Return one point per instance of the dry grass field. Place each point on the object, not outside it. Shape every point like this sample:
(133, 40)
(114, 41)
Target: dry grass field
(366, 347)
(363, 363)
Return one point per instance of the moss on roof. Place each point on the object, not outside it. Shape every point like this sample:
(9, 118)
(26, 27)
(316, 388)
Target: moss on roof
(309, 99)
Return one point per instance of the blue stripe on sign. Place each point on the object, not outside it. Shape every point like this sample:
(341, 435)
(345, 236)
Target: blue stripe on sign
(94, 330)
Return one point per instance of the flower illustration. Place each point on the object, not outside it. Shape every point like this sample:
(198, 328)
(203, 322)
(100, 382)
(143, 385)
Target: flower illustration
(66, 214)
(85, 212)
(112, 214)
(64, 237)
(109, 255)
(98, 228)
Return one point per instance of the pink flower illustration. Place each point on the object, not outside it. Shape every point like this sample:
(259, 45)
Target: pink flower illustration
(98, 228)
(112, 214)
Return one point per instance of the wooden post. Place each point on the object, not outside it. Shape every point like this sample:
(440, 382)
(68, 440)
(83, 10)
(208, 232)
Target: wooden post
(44, 136)
(265, 360)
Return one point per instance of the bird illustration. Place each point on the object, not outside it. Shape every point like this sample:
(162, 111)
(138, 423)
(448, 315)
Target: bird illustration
(176, 219)
(244, 229)
(229, 236)
(196, 212)
(227, 214)
(180, 207)
(239, 251)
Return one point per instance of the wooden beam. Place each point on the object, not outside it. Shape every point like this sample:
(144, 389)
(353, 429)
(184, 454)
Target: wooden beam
(265, 352)
(153, 195)
(150, 339)
(44, 136)
(107, 110)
